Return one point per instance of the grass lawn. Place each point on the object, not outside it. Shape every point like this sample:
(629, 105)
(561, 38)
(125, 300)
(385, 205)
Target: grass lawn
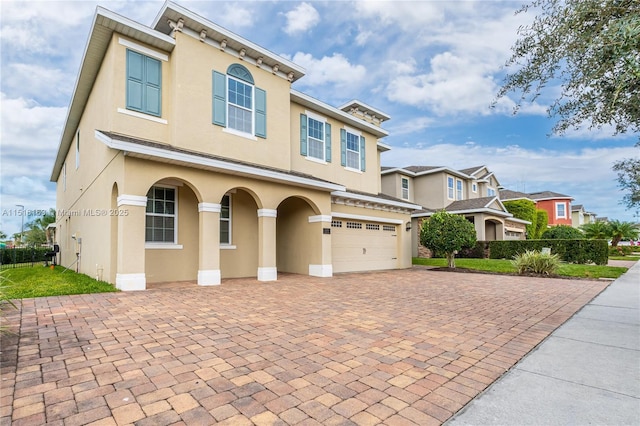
(502, 266)
(40, 281)
(631, 258)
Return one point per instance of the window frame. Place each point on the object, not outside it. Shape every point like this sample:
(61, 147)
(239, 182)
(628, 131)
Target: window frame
(564, 209)
(491, 192)
(144, 82)
(451, 187)
(229, 104)
(459, 190)
(348, 150)
(228, 220)
(403, 189)
(162, 244)
(474, 188)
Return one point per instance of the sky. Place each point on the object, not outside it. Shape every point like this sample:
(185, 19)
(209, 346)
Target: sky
(433, 66)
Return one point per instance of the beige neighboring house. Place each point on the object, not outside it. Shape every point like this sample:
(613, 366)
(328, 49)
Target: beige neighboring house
(472, 193)
(579, 216)
(186, 155)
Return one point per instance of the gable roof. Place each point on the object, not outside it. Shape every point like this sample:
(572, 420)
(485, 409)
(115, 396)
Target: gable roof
(507, 195)
(547, 195)
(472, 170)
(416, 171)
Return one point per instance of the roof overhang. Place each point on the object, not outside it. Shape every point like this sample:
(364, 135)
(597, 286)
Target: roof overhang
(373, 200)
(170, 14)
(317, 105)
(105, 23)
(427, 172)
(188, 159)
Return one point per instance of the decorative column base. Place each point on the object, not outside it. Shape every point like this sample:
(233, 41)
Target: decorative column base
(268, 274)
(131, 282)
(209, 277)
(323, 271)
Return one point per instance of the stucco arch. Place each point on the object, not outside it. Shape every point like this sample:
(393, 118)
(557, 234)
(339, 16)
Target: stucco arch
(312, 204)
(298, 241)
(256, 198)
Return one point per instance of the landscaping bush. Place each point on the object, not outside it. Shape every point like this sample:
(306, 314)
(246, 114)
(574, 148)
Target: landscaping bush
(475, 252)
(620, 251)
(22, 255)
(562, 232)
(536, 262)
(572, 251)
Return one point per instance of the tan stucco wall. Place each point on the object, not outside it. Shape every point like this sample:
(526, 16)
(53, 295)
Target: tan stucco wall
(431, 191)
(241, 260)
(391, 184)
(298, 245)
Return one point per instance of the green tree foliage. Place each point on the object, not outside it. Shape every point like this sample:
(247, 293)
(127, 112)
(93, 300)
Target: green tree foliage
(590, 48)
(596, 231)
(36, 233)
(542, 220)
(2, 235)
(629, 180)
(562, 232)
(525, 210)
(447, 233)
(619, 231)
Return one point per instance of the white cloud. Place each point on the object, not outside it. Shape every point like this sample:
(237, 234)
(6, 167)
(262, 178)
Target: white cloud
(335, 69)
(301, 19)
(38, 82)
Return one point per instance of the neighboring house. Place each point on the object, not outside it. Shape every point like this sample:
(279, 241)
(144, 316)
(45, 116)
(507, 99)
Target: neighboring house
(471, 192)
(186, 155)
(579, 216)
(557, 206)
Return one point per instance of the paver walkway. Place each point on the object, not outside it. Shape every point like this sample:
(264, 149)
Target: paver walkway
(401, 347)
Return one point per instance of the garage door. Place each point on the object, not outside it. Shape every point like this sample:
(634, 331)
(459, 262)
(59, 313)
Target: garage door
(363, 246)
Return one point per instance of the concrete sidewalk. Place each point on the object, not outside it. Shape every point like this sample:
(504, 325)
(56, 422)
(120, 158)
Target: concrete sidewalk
(586, 372)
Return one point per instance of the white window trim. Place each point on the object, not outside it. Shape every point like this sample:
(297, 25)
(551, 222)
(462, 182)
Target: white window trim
(230, 243)
(564, 216)
(351, 169)
(167, 245)
(143, 116)
(359, 135)
(402, 189)
(474, 188)
(323, 120)
(461, 190)
(489, 188)
(237, 132)
(453, 188)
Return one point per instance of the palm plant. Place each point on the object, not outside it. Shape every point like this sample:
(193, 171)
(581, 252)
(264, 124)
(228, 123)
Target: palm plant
(596, 231)
(619, 231)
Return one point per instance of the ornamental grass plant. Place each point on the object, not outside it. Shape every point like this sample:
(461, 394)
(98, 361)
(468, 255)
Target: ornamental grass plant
(535, 262)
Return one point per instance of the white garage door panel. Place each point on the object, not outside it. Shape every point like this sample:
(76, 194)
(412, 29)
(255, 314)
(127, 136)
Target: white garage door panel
(363, 249)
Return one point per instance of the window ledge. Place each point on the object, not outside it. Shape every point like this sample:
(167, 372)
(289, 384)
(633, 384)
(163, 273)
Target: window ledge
(354, 170)
(239, 133)
(162, 246)
(227, 247)
(142, 115)
(316, 160)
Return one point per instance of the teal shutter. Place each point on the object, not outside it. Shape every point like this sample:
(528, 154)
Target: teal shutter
(343, 147)
(219, 99)
(135, 83)
(261, 113)
(327, 142)
(152, 88)
(303, 134)
(363, 159)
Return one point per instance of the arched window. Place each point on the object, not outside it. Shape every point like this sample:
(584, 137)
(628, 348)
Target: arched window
(237, 104)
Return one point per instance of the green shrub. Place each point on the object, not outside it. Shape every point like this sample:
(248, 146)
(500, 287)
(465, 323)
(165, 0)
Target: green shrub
(572, 251)
(475, 252)
(562, 232)
(620, 251)
(536, 262)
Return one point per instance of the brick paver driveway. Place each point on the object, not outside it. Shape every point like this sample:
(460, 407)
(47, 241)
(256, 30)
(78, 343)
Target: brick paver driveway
(403, 347)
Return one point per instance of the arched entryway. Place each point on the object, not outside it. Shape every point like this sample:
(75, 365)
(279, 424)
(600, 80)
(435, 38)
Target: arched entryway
(238, 234)
(297, 244)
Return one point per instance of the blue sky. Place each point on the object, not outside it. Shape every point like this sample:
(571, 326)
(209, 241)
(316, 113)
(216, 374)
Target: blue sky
(434, 66)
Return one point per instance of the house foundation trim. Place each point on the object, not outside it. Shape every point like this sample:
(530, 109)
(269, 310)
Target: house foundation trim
(131, 282)
(323, 271)
(268, 273)
(209, 277)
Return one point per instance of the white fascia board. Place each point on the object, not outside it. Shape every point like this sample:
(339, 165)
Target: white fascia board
(398, 170)
(372, 199)
(94, 51)
(516, 220)
(327, 109)
(367, 106)
(216, 164)
(470, 211)
(383, 147)
(224, 33)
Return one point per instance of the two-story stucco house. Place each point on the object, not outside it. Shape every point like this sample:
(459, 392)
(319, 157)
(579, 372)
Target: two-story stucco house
(471, 192)
(580, 216)
(187, 155)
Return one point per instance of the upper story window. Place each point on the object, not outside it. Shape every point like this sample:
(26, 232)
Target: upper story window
(491, 192)
(561, 210)
(225, 220)
(144, 83)
(405, 188)
(161, 215)
(459, 193)
(450, 190)
(474, 187)
(237, 104)
(352, 150)
(315, 137)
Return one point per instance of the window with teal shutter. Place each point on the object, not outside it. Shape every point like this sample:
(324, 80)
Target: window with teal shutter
(144, 84)
(363, 158)
(237, 103)
(315, 138)
(327, 142)
(303, 135)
